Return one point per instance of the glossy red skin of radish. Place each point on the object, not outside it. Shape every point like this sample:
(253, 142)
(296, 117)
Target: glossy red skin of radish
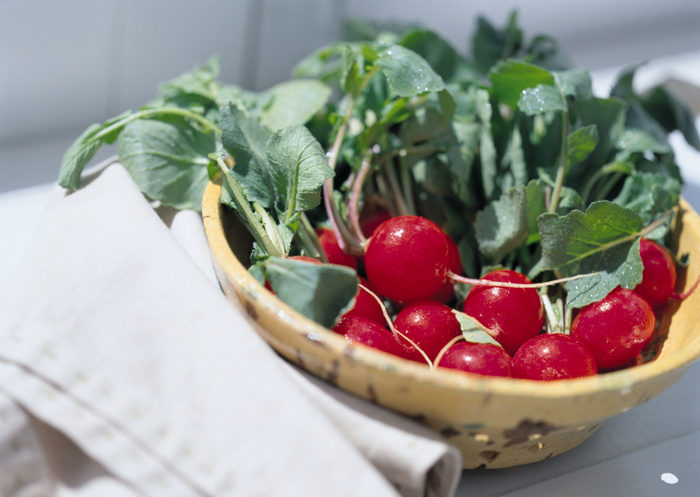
(616, 329)
(334, 254)
(553, 356)
(659, 277)
(407, 258)
(447, 292)
(357, 329)
(369, 222)
(367, 306)
(430, 325)
(511, 315)
(481, 358)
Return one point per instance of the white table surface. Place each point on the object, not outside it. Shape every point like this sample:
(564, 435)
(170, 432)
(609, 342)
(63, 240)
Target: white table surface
(651, 450)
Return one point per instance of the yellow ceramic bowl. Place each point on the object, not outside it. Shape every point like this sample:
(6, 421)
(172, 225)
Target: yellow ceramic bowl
(496, 422)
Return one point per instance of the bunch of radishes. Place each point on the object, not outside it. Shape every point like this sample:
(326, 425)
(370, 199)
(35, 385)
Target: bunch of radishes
(412, 264)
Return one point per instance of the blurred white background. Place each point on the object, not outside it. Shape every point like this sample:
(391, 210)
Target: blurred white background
(67, 64)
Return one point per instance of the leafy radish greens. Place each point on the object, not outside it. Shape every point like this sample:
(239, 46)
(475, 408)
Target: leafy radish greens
(507, 149)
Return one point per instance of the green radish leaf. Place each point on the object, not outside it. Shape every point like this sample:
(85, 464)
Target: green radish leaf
(467, 135)
(356, 58)
(575, 83)
(608, 116)
(602, 240)
(407, 73)
(536, 193)
(84, 148)
(502, 225)
(488, 153)
(294, 102)
(672, 114)
(299, 167)
(513, 163)
(628, 274)
(650, 195)
(198, 85)
(325, 64)
(441, 56)
(509, 80)
(541, 99)
(638, 141)
(491, 44)
(168, 160)
(580, 143)
(321, 292)
(658, 112)
(245, 139)
(473, 331)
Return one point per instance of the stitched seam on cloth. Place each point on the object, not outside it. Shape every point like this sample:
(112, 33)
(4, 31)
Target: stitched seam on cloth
(98, 418)
(23, 466)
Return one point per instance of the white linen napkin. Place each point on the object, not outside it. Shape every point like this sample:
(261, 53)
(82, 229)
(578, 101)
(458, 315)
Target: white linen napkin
(115, 333)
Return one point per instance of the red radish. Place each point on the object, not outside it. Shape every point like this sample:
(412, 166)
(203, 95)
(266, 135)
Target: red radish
(366, 305)
(510, 315)
(305, 258)
(374, 212)
(659, 278)
(616, 328)
(357, 329)
(553, 356)
(430, 325)
(406, 259)
(334, 254)
(482, 358)
(369, 222)
(447, 292)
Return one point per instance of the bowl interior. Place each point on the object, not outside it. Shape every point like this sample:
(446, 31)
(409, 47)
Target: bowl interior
(483, 416)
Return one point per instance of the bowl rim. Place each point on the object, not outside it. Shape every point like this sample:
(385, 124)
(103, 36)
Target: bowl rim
(376, 360)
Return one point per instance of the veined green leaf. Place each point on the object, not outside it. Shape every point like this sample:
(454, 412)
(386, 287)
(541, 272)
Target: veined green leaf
(628, 274)
(84, 148)
(325, 64)
(510, 78)
(199, 83)
(672, 114)
(502, 225)
(245, 139)
(467, 135)
(650, 195)
(473, 331)
(487, 148)
(575, 83)
(299, 167)
(168, 160)
(608, 116)
(321, 292)
(491, 44)
(541, 99)
(407, 73)
(602, 241)
(581, 142)
(537, 194)
(356, 59)
(638, 141)
(441, 56)
(294, 102)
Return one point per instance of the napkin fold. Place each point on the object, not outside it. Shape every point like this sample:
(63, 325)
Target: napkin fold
(115, 334)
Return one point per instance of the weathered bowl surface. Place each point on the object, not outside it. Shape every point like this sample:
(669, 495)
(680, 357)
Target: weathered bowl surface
(496, 422)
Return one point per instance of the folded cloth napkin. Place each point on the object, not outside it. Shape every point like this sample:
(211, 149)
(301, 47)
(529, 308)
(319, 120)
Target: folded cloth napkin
(115, 335)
